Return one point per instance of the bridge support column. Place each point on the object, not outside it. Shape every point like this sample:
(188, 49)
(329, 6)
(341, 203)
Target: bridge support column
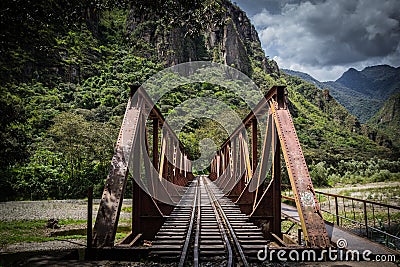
(155, 143)
(254, 142)
(146, 214)
(276, 192)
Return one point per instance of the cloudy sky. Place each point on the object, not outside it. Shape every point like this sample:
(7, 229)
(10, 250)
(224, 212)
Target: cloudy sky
(326, 37)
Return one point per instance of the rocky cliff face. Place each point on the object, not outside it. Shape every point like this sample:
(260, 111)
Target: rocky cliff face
(217, 31)
(174, 32)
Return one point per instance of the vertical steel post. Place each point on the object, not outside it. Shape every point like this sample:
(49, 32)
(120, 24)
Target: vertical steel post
(276, 189)
(373, 215)
(299, 236)
(165, 173)
(365, 217)
(218, 166)
(222, 160)
(89, 231)
(155, 144)
(254, 155)
(336, 211)
(136, 192)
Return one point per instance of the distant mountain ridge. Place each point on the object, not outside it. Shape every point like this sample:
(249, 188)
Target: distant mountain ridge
(364, 92)
(380, 81)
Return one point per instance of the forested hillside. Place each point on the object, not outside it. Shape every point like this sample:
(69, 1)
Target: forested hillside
(387, 118)
(364, 92)
(66, 68)
(379, 82)
(65, 74)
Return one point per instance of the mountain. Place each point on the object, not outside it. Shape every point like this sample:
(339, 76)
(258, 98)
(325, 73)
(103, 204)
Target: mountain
(364, 92)
(304, 76)
(361, 105)
(383, 127)
(230, 38)
(220, 31)
(67, 69)
(327, 131)
(387, 119)
(378, 82)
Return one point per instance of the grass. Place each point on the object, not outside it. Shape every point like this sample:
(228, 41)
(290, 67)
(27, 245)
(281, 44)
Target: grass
(71, 222)
(22, 231)
(32, 231)
(35, 231)
(127, 209)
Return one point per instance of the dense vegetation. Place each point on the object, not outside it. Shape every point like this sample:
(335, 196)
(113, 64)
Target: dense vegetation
(65, 72)
(65, 76)
(387, 119)
(362, 93)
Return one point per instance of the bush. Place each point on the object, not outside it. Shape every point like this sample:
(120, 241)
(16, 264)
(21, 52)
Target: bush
(352, 171)
(319, 174)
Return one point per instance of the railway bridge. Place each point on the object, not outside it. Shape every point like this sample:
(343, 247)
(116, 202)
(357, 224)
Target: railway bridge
(228, 217)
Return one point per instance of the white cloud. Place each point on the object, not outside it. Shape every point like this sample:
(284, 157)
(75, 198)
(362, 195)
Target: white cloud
(324, 39)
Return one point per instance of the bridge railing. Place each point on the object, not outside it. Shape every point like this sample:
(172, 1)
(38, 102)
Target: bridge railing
(379, 222)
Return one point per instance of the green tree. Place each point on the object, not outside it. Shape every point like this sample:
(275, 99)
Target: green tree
(319, 174)
(85, 148)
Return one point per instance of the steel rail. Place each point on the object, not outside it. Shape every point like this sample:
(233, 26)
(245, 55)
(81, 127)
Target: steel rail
(232, 234)
(190, 229)
(213, 200)
(196, 246)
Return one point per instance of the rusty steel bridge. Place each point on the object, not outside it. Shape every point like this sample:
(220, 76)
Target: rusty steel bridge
(226, 217)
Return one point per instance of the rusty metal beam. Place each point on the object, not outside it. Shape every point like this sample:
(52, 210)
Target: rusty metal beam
(312, 223)
(268, 206)
(276, 188)
(254, 144)
(155, 142)
(106, 223)
(155, 113)
(260, 108)
(132, 150)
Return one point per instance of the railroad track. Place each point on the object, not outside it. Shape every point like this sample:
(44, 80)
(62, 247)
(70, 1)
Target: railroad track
(207, 227)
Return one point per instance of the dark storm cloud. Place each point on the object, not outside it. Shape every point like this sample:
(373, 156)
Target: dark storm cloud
(329, 35)
(357, 30)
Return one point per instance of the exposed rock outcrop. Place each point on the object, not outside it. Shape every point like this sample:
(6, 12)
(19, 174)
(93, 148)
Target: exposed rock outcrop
(228, 37)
